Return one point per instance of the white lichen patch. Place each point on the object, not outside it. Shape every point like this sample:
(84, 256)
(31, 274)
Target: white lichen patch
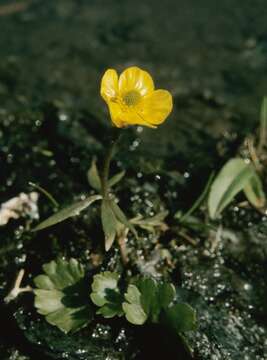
(23, 205)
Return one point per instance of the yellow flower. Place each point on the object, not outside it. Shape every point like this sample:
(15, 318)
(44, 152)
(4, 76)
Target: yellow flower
(132, 99)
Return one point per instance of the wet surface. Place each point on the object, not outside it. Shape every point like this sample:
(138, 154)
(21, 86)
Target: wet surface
(212, 57)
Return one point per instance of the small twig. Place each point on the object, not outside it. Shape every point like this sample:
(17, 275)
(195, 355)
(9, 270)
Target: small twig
(187, 238)
(17, 289)
(243, 204)
(215, 241)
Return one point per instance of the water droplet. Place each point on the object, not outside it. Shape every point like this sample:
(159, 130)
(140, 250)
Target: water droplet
(186, 175)
(247, 287)
(63, 116)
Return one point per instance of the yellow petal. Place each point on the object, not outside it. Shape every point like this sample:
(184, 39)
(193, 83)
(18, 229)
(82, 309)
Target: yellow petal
(122, 118)
(134, 78)
(156, 107)
(135, 118)
(109, 85)
(116, 114)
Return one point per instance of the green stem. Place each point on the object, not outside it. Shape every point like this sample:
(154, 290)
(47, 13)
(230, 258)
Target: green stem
(46, 193)
(107, 160)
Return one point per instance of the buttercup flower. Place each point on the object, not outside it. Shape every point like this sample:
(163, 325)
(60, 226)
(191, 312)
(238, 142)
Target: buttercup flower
(133, 100)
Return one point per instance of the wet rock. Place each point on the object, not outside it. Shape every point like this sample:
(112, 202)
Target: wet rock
(227, 287)
(97, 344)
(114, 340)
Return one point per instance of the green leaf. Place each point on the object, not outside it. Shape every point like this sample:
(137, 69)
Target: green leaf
(166, 294)
(60, 295)
(102, 284)
(122, 217)
(109, 223)
(68, 212)
(106, 294)
(151, 223)
(196, 224)
(263, 125)
(157, 219)
(149, 297)
(232, 178)
(155, 296)
(116, 178)
(93, 176)
(145, 299)
(180, 317)
(254, 192)
(132, 307)
(110, 310)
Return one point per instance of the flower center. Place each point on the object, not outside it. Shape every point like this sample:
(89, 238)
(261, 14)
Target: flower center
(131, 98)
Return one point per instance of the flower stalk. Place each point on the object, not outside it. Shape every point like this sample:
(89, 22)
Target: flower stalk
(116, 133)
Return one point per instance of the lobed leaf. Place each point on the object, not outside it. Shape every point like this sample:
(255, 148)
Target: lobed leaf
(166, 294)
(155, 296)
(149, 297)
(60, 295)
(106, 294)
(145, 299)
(132, 307)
